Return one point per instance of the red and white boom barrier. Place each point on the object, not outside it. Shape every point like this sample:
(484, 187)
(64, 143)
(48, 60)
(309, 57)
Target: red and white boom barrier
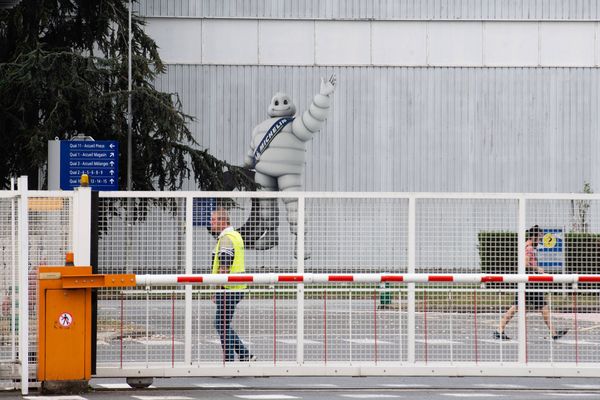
(270, 279)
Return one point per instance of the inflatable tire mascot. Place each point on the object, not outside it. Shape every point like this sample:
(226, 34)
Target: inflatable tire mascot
(276, 154)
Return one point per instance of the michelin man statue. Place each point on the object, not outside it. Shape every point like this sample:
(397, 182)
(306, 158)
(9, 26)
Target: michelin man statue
(277, 152)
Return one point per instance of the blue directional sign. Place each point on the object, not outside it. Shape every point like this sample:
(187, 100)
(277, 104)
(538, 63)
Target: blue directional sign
(99, 159)
(202, 210)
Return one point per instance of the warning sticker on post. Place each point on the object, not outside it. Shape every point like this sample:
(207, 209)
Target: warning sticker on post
(551, 255)
(65, 320)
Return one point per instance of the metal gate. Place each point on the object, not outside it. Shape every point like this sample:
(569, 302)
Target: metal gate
(350, 327)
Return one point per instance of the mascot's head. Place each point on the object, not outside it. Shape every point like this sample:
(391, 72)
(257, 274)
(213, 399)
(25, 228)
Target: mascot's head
(281, 106)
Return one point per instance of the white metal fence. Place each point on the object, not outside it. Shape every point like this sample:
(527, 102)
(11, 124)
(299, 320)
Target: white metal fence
(352, 328)
(348, 328)
(36, 228)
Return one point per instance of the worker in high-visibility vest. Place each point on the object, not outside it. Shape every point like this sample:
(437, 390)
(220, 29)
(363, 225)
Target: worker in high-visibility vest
(228, 258)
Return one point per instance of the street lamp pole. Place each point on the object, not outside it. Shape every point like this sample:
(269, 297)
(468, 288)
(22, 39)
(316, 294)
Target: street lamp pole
(129, 116)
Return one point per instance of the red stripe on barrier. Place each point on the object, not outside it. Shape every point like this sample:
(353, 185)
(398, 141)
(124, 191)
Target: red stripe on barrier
(392, 278)
(588, 279)
(541, 278)
(440, 278)
(492, 279)
(240, 279)
(341, 278)
(186, 279)
(290, 278)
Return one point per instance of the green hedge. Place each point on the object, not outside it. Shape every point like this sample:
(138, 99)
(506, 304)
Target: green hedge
(582, 253)
(498, 253)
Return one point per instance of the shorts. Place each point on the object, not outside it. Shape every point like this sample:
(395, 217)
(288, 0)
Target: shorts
(533, 300)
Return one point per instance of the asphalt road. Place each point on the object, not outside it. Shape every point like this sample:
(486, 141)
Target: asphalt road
(340, 388)
(335, 331)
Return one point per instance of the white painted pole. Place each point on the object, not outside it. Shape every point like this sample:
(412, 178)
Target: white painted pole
(300, 288)
(82, 225)
(521, 317)
(189, 260)
(23, 233)
(411, 268)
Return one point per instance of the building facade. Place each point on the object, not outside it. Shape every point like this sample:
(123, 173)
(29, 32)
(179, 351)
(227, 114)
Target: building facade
(436, 95)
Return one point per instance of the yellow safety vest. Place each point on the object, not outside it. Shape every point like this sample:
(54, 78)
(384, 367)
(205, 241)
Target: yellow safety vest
(238, 259)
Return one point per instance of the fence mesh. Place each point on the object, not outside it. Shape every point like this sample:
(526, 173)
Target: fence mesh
(350, 322)
(50, 238)
(9, 278)
(356, 235)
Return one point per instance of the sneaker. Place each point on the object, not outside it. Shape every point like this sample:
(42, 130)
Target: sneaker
(560, 334)
(500, 336)
(251, 357)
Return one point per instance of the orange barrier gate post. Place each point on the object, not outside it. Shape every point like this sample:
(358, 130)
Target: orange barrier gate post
(65, 325)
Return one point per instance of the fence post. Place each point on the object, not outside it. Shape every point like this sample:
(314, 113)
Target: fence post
(521, 317)
(300, 287)
(189, 261)
(14, 268)
(411, 306)
(82, 225)
(23, 234)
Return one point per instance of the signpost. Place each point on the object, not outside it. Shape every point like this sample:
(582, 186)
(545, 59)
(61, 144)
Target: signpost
(551, 255)
(99, 159)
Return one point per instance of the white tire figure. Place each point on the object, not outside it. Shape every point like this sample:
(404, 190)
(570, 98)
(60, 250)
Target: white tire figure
(277, 151)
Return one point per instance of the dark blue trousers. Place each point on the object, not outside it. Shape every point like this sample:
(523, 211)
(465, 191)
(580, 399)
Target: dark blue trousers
(226, 302)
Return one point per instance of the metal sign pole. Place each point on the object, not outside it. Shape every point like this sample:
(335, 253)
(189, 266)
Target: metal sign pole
(129, 116)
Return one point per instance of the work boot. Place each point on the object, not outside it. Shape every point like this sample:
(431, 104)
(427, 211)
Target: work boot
(560, 334)
(500, 336)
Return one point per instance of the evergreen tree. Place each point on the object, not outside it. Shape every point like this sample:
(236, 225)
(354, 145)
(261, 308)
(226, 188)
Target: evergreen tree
(63, 70)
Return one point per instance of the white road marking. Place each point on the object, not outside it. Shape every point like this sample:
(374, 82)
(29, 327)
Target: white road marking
(158, 342)
(589, 328)
(404, 385)
(314, 385)
(500, 386)
(437, 341)
(370, 396)
(266, 396)
(119, 386)
(55, 397)
(578, 342)
(366, 341)
(569, 394)
(581, 386)
(220, 385)
(294, 341)
(497, 341)
(471, 394)
(163, 397)
(217, 341)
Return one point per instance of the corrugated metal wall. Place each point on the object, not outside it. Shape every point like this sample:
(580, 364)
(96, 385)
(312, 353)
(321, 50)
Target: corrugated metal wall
(414, 129)
(377, 9)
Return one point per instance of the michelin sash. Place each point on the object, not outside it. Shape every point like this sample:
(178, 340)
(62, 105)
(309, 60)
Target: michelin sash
(270, 135)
